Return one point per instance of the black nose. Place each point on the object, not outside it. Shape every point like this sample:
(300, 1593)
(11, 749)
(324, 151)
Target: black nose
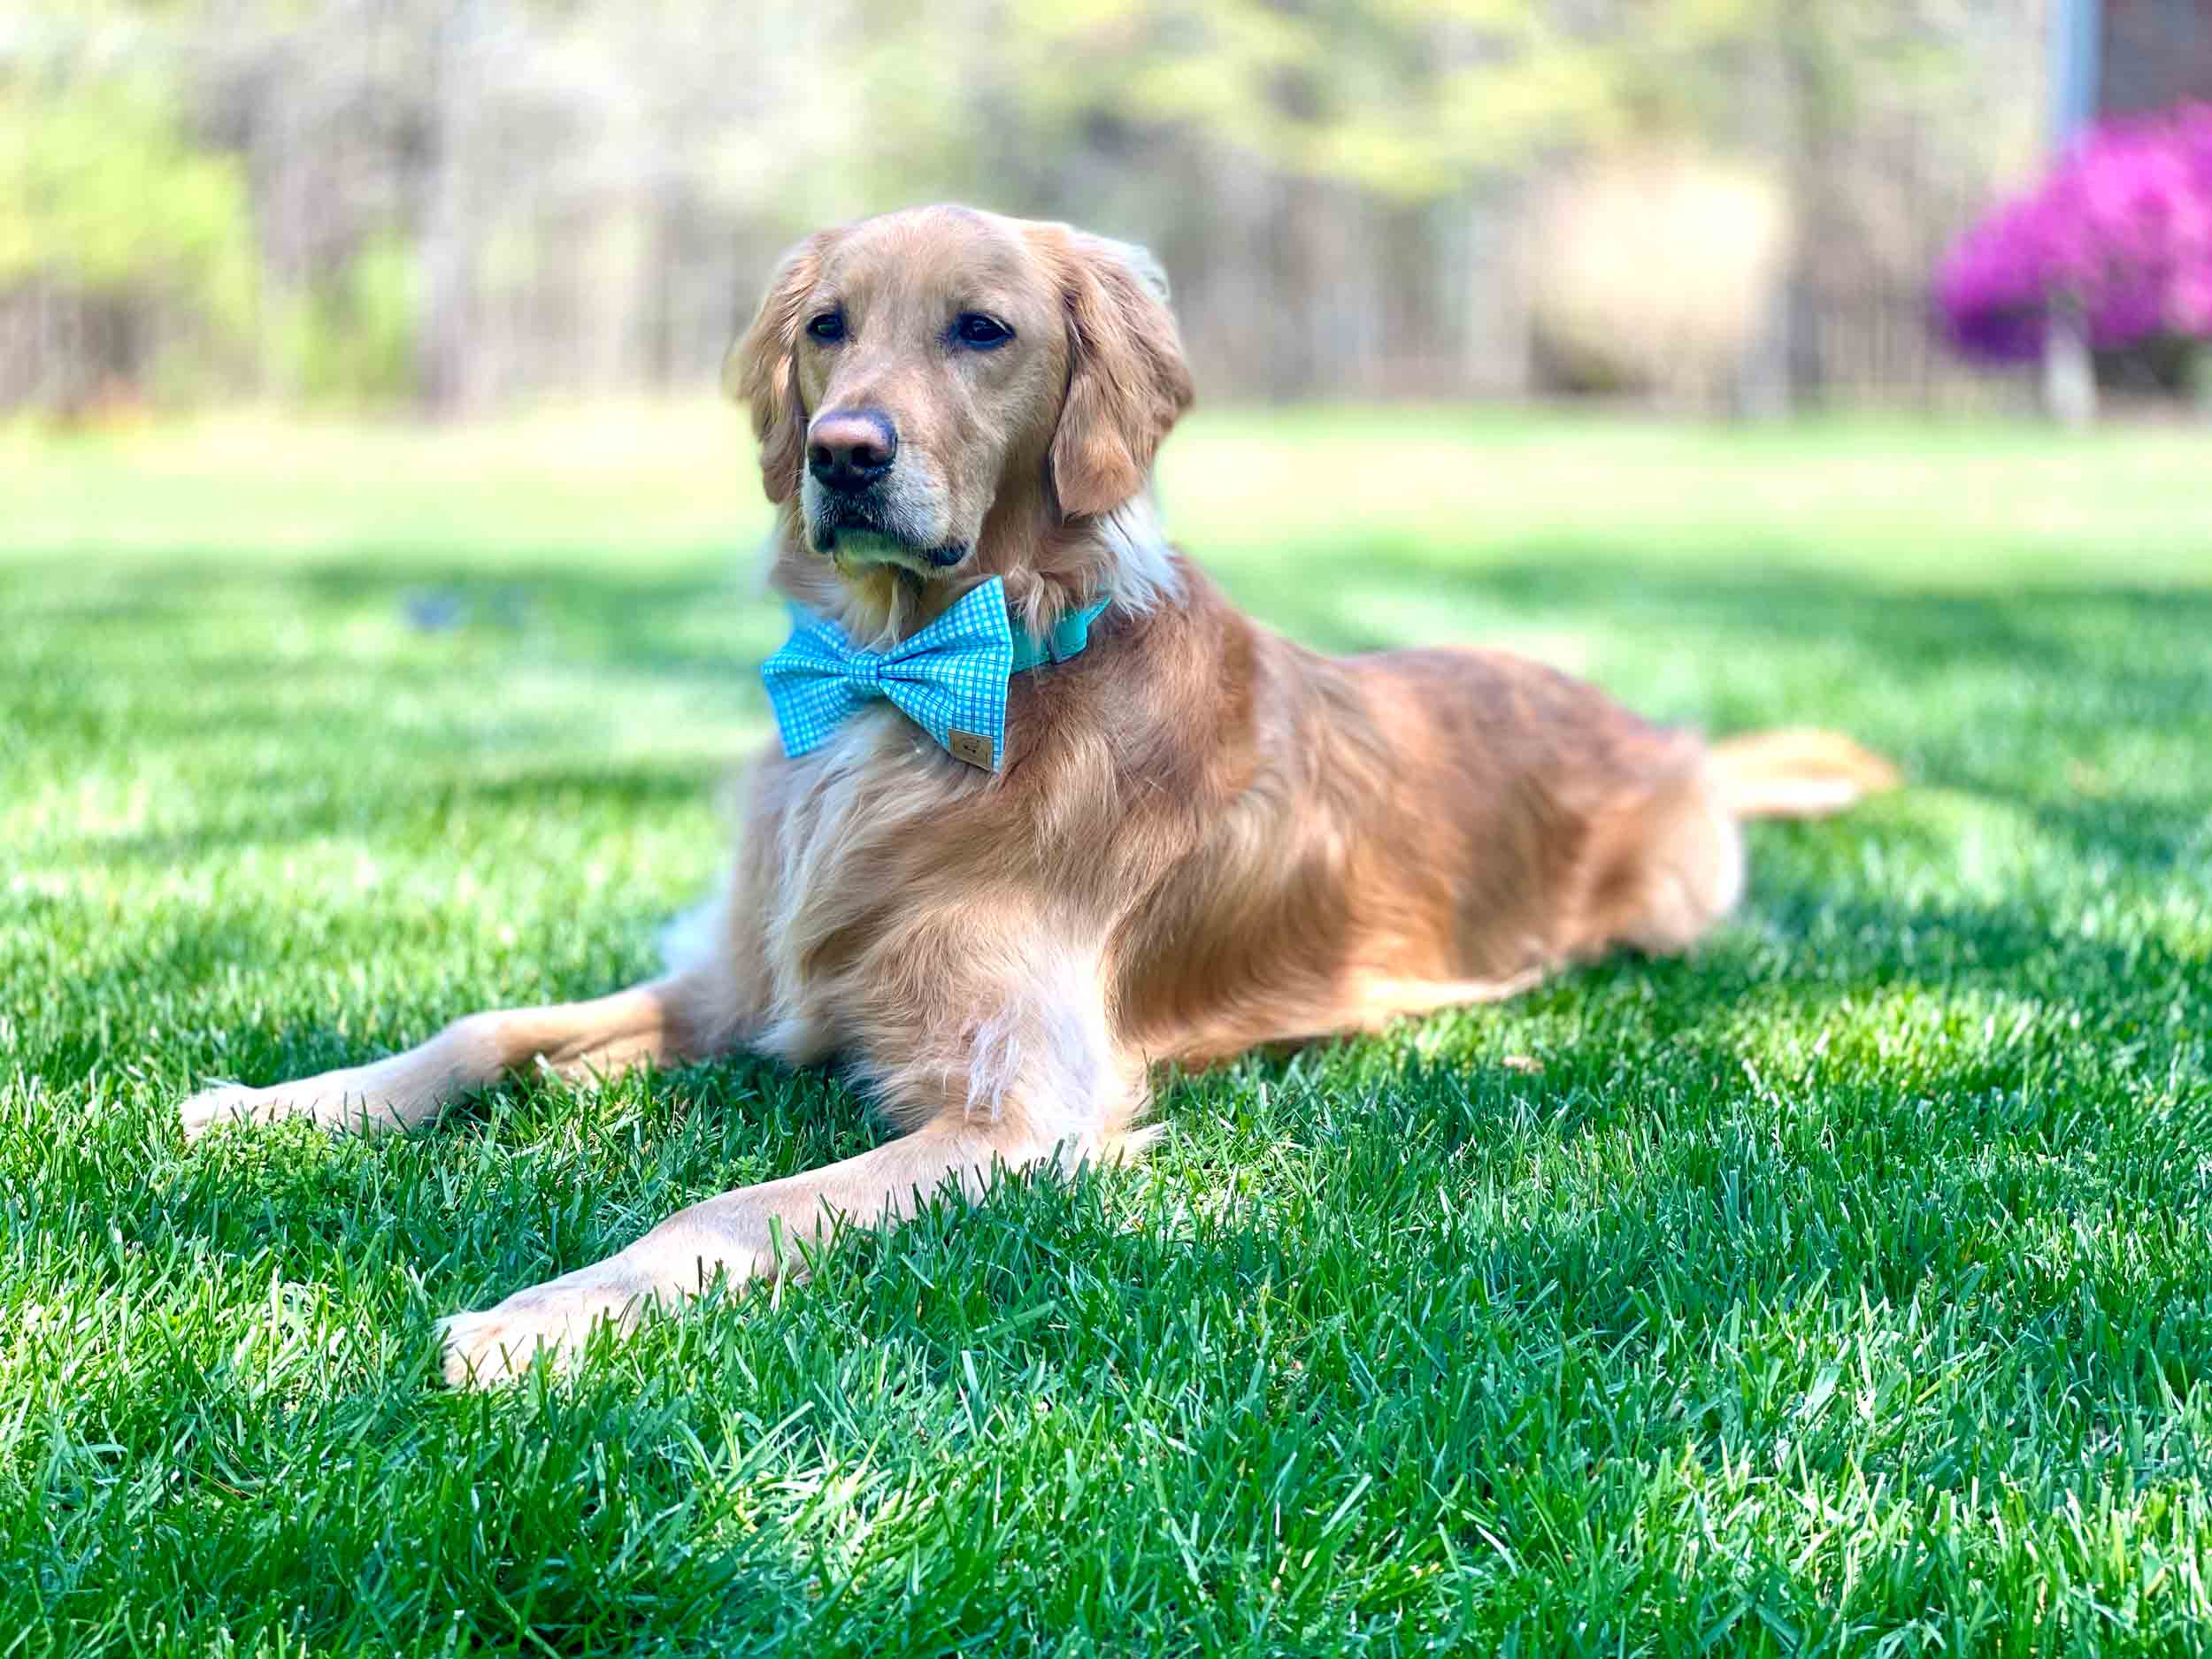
(850, 449)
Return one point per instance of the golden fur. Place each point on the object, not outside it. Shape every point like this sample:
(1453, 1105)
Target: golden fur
(1204, 836)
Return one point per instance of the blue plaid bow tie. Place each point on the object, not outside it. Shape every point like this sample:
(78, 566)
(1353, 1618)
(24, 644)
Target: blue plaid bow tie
(949, 679)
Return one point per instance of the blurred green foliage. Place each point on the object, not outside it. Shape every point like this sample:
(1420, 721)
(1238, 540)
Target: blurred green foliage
(100, 188)
(353, 342)
(466, 200)
(105, 200)
(1415, 98)
(1405, 97)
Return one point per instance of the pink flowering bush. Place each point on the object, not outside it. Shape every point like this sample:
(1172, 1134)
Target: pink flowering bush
(2121, 231)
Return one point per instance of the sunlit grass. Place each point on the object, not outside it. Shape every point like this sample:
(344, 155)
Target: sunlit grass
(1848, 1288)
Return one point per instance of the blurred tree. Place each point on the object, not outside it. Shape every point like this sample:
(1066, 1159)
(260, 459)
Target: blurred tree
(130, 250)
(473, 200)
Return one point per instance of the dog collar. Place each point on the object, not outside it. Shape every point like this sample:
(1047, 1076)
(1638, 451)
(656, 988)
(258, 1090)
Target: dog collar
(949, 678)
(1066, 638)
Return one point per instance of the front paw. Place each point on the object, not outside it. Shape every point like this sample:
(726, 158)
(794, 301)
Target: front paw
(355, 1100)
(228, 1102)
(498, 1345)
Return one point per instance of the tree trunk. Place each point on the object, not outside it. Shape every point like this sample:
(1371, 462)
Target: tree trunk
(449, 223)
(2070, 374)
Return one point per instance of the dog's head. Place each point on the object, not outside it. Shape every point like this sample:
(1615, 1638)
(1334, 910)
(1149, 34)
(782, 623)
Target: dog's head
(935, 390)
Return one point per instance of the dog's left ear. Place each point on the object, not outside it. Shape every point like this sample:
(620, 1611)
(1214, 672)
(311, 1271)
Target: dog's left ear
(1127, 380)
(762, 368)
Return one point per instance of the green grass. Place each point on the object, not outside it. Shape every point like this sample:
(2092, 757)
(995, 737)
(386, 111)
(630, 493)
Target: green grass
(1847, 1290)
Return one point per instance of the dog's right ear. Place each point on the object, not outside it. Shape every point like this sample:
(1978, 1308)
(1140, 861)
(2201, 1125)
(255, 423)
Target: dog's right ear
(762, 368)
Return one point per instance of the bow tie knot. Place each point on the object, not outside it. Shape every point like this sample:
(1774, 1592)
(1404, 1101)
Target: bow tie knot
(949, 678)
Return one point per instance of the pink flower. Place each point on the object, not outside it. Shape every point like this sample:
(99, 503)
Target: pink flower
(2121, 231)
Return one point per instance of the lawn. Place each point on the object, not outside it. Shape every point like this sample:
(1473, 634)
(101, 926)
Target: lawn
(1845, 1289)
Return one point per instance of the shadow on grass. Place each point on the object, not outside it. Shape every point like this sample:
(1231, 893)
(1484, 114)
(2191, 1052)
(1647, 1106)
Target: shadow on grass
(2015, 684)
(2138, 651)
(1680, 1015)
(626, 617)
(1903, 627)
(2025, 677)
(439, 798)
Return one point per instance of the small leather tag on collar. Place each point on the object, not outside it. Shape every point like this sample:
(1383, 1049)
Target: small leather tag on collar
(975, 748)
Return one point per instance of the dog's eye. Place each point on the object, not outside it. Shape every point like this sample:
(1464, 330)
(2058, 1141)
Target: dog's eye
(974, 329)
(828, 327)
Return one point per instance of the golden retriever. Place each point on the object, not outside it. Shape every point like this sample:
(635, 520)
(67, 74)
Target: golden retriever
(1197, 837)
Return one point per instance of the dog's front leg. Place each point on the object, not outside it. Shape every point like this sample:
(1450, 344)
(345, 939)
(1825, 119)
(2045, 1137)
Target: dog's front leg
(735, 1237)
(1036, 1080)
(712, 1004)
(666, 1021)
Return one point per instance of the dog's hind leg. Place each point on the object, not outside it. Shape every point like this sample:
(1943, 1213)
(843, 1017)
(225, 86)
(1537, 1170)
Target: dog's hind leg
(1665, 870)
(1377, 1000)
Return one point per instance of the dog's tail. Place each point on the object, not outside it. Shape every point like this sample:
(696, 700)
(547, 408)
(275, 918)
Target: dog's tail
(1797, 773)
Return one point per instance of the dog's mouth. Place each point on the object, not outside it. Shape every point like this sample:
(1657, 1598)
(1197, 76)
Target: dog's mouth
(857, 533)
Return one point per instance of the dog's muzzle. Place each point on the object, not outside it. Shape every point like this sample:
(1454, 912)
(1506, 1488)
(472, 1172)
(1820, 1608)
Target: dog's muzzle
(863, 503)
